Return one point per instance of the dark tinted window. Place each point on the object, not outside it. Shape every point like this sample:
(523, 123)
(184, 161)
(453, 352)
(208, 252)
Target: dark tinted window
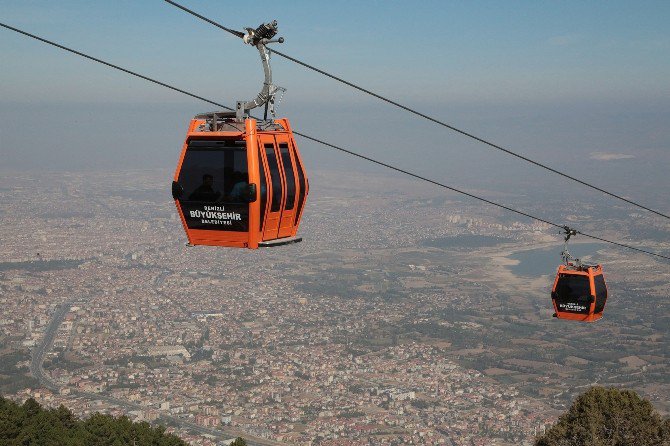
(211, 169)
(573, 294)
(601, 293)
(275, 178)
(264, 191)
(303, 188)
(214, 176)
(288, 173)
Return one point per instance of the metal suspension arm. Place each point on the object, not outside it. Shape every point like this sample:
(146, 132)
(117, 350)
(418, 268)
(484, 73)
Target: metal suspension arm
(260, 37)
(264, 95)
(565, 255)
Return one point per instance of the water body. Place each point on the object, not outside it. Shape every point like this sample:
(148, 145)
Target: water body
(465, 241)
(544, 261)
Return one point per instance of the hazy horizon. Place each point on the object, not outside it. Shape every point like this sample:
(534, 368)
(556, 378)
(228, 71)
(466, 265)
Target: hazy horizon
(582, 88)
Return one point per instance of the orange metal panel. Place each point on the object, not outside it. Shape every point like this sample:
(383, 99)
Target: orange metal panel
(253, 172)
(282, 223)
(219, 238)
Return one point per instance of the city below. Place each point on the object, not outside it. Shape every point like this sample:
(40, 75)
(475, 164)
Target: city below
(406, 316)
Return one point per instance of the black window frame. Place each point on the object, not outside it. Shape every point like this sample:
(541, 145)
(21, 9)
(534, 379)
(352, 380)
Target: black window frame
(263, 190)
(601, 292)
(221, 178)
(303, 186)
(215, 212)
(289, 175)
(573, 289)
(275, 180)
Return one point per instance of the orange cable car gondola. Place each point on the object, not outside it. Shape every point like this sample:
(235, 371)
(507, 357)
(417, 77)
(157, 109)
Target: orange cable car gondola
(579, 292)
(240, 182)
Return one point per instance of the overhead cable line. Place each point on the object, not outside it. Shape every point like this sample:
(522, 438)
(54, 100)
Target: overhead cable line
(116, 67)
(333, 146)
(429, 118)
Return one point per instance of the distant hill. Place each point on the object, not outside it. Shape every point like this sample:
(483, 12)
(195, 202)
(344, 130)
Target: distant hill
(608, 417)
(31, 424)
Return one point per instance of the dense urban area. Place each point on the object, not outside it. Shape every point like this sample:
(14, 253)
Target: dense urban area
(406, 316)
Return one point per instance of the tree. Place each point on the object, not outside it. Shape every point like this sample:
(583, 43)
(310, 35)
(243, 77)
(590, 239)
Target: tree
(30, 424)
(239, 441)
(608, 417)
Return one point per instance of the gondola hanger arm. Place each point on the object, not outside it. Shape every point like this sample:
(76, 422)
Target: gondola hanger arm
(260, 38)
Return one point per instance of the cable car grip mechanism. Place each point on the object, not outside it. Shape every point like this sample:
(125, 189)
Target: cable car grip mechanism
(565, 254)
(260, 38)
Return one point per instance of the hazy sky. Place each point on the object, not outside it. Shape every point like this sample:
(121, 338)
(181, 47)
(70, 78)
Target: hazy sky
(558, 81)
(426, 51)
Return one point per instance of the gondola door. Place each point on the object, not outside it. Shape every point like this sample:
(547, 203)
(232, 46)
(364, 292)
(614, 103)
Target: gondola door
(275, 186)
(287, 163)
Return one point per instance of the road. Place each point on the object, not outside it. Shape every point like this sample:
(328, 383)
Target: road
(40, 351)
(37, 371)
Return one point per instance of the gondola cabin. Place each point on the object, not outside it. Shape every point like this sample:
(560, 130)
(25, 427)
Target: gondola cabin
(240, 183)
(579, 293)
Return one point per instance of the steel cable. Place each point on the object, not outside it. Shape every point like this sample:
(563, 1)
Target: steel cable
(333, 146)
(429, 118)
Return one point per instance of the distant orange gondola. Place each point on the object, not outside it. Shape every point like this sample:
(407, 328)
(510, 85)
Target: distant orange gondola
(240, 181)
(579, 292)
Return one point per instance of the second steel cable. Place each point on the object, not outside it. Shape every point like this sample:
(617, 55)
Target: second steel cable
(327, 144)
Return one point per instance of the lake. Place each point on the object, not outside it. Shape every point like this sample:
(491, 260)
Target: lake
(465, 241)
(544, 261)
